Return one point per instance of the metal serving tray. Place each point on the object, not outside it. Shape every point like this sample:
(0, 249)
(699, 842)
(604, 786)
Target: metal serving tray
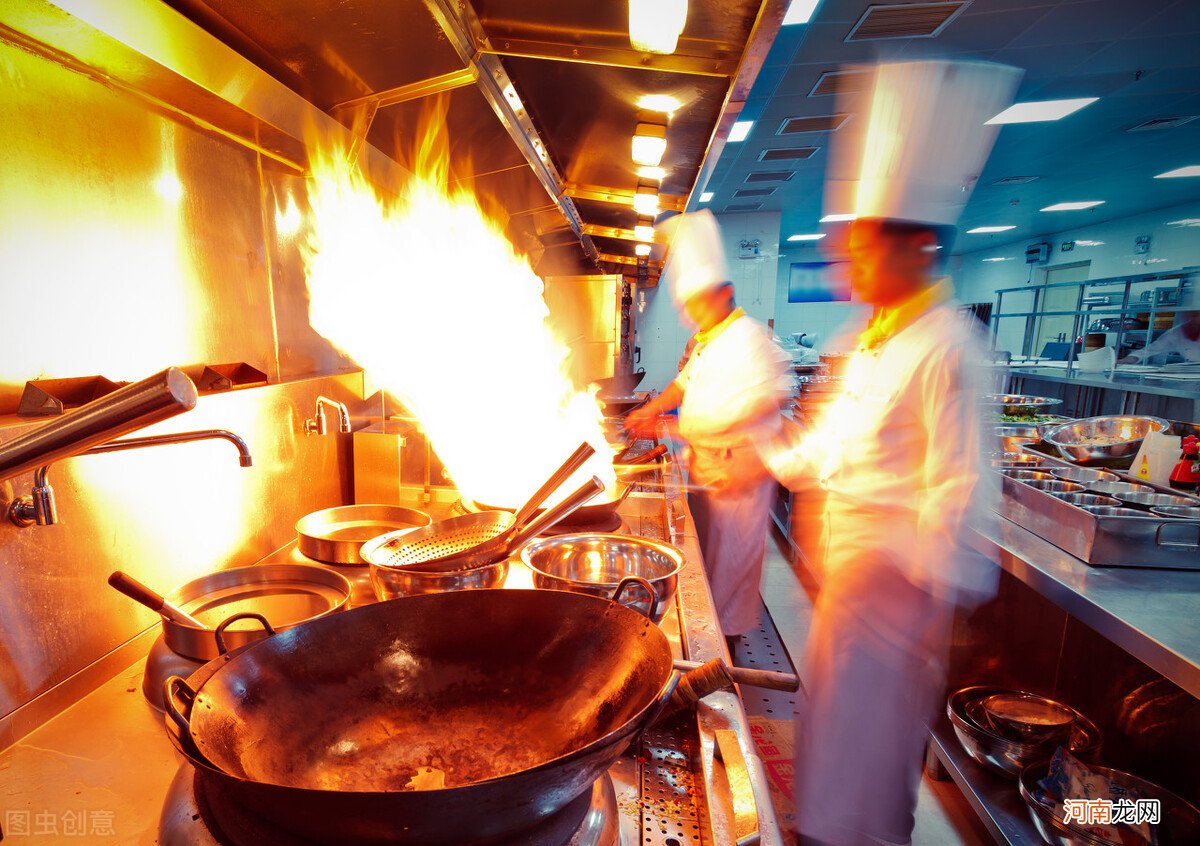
(1140, 542)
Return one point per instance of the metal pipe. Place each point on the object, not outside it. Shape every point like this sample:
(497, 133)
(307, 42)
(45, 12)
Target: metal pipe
(244, 457)
(135, 406)
(318, 425)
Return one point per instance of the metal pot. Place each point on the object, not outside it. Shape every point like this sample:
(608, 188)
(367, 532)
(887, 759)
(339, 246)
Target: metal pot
(518, 700)
(395, 582)
(595, 563)
(335, 535)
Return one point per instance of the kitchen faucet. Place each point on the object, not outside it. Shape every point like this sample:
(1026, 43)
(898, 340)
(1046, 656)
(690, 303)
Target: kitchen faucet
(318, 425)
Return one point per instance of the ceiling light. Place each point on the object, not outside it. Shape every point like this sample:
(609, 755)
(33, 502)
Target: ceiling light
(837, 218)
(800, 11)
(1041, 110)
(644, 231)
(1089, 243)
(655, 173)
(816, 236)
(705, 196)
(986, 230)
(659, 103)
(1185, 221)
(655, 25)
(998, 258)
(740, 130)
(645, 201)
(642, 249)
(1079, 206)
(649, 143)
(1190, 170)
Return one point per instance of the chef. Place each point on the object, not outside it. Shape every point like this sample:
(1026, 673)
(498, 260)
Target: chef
(1182, 339)
(728, 396)
(899, 455)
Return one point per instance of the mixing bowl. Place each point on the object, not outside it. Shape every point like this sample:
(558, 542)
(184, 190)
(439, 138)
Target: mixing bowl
(1103, 440)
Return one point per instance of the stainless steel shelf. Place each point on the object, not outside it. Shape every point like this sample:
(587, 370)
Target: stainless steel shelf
(1155, 386)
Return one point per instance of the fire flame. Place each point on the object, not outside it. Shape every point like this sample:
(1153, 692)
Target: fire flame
(429, 297)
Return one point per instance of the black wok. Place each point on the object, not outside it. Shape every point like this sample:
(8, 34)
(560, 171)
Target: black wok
(519, 699)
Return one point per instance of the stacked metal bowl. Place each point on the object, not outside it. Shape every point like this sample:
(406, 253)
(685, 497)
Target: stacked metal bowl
(1111, 440)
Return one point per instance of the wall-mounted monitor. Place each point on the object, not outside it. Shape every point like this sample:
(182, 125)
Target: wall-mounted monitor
(819, 282)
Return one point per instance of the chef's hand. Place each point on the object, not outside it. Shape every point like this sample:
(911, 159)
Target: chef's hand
(642, 422)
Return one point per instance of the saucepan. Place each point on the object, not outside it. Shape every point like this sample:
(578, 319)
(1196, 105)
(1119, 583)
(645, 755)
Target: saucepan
(442, 719)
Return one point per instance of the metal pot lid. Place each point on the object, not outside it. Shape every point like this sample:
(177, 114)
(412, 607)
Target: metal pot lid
(286, 594)
(335, 535)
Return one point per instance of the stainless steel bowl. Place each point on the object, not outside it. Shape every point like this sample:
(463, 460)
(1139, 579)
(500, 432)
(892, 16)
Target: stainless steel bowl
(1117, 488)
(1012, 443)
(1023, 475)
(1154, 499)
(1179, 819)
(1022, 402)
(1087, 499)
(1055, 486)
(1070, 438)
(1004, 756)
(392, 581)
(594, 563)
(1112, 511)
(1083, 475)
(1013, 460)
(1177, 512)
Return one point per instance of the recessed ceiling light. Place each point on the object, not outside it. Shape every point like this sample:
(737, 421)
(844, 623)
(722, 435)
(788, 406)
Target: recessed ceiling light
(740, 130)
(649, 143)
(1190, 170)
(705, 196)
(642, 249)
(659, 103)
(652, 172)
(1084, 204)
(816, 236)
(655, 25)
(1041, 110)
(800, 11)
(998, 258)
(985, 230)
(645, 203)
(643, 233)
(1185, 221)
(837, 218)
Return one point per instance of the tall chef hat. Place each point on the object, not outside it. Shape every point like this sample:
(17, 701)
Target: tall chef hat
(696, 257)
(918, 140)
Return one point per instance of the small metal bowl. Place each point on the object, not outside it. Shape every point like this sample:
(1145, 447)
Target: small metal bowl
(1055, 486)
(1028, 718)
(1012, 460)
(1022, 475)
(1179, 819)
(1118, 488)
(1178, 512)
(1012, 443)
(1001, 755)
(1070, 439)
(594, 563)
(1112, 511)
(1154, 499)
(1083, 475)
(395, 582)
(1089, 499)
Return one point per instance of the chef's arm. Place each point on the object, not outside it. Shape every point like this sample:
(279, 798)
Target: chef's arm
(643, 422)
(953, 453)
(1165, 343)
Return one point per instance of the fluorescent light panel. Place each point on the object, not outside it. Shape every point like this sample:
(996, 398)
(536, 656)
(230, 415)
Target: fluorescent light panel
(837, 218)
(800, 11)
(816, 236)
(740, 130)
(987, 230)
(1075, 206)
(1190, 170)
(998, 258)
(705, 196)
(1041, 110)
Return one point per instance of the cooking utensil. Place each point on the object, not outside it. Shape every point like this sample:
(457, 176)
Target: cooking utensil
(595, 563)
(139, 593)
(1117, 488)
(644, 459)
(335, 535)
(1112, 511)
(1082, 499)
(1016, 460)
(1179, 512)
(1083, 475)
(1054, 486)
(1022, 475)
(392, 578)
(1154, 499)
(505, 705)
(1000, 754)
(472, 540)
(1026, 717)
(1018, 402)
(621, 383)
(1071, 439)
(1179, 820)
(1012, 443)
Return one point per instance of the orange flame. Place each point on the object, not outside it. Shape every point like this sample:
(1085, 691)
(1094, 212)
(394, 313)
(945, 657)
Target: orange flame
(428, 296)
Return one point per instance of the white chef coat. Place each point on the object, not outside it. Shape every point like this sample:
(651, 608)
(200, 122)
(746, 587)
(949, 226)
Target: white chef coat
(1171, 341)
(735, 371)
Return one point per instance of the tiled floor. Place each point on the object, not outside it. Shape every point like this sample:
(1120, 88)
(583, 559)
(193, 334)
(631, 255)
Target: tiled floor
(943, 816)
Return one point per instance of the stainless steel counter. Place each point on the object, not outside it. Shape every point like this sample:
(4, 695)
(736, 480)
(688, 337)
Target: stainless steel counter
(1152, 614)
(1130, 383)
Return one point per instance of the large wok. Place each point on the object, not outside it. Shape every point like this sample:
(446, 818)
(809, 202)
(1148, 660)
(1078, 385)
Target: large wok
(519, 699)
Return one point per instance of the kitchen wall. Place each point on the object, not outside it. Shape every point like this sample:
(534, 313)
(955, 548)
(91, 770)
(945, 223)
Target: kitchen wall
(662, 335)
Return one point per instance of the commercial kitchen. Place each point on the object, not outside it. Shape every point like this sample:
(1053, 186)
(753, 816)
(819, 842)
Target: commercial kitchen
(320, 325)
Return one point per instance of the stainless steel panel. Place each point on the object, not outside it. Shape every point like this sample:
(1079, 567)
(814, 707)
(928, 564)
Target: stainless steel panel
(584, 313)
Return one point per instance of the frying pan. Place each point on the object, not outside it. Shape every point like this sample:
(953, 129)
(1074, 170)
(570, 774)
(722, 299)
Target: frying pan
(519, 704)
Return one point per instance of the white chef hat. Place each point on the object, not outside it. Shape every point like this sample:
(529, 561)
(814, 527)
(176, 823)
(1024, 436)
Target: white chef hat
(696, 256)
(917, 140)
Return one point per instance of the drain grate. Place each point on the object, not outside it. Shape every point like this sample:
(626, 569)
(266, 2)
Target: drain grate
(763, 649)
(669, 790)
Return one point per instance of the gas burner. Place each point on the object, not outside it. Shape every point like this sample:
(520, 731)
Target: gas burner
(609, 523)
(197, 812)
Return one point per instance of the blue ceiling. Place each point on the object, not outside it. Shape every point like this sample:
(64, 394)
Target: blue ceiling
(1142, 59)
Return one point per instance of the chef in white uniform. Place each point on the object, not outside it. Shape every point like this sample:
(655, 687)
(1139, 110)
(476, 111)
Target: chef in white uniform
(728, 396)
(1183, 339)
(899, 453)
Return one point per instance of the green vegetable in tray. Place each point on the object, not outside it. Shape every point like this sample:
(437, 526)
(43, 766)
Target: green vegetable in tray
(1026, 417)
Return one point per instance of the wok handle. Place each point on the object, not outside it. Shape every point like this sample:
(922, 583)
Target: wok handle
(219, 633)
(767, 679)
(648, 456)
(171, 686)
(556, 514)
(578, 458)
(629, 581)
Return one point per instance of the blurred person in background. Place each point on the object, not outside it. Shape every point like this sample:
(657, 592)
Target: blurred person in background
(728, 395)
(1183, 339)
